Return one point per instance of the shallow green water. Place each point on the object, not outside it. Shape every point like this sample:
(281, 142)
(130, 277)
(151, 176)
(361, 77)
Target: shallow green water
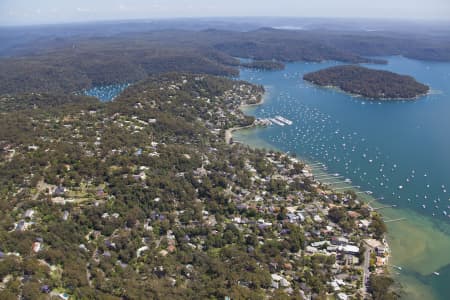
(398, 150)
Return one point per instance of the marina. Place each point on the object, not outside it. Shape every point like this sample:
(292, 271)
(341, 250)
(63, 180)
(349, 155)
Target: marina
(284, 120)
(276, 121)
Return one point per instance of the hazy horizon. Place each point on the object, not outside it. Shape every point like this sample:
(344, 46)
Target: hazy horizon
(22, 12)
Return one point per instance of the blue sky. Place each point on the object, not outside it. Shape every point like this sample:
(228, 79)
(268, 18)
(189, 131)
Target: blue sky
(15, 12)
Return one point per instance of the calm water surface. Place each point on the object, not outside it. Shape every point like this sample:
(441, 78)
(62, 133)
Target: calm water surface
(398, 150)
(106, 92)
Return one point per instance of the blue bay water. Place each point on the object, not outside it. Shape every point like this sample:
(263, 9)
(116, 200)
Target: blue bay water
(107, 92)
(399, 150)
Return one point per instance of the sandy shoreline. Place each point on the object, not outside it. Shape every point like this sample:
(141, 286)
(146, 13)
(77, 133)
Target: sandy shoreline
(229, 132)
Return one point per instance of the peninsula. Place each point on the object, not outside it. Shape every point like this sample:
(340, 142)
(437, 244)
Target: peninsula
(375, 84)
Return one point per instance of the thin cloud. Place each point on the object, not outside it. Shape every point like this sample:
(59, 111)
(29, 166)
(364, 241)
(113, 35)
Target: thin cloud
(88, 10)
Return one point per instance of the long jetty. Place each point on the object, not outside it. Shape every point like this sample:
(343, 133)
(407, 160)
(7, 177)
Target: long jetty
(395, 220)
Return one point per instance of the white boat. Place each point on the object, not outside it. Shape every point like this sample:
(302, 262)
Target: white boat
(436, 273)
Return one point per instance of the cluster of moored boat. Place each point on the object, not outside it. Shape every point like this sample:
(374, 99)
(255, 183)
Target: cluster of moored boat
(321, 137)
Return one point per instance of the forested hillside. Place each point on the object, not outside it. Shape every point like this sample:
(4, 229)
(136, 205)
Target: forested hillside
(68, 64)
(369, 83)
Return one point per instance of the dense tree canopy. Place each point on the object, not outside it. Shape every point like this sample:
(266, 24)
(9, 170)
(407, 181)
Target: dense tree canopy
(71, 64)
(141, 198)
(369, 83)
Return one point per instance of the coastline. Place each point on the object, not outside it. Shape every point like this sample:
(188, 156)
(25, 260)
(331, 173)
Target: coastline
(229, 132)
(366, 198)
(242, 107)
(260, 102)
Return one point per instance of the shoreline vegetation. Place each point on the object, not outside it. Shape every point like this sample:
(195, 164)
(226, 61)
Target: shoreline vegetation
(369, 83)
(382, 284)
